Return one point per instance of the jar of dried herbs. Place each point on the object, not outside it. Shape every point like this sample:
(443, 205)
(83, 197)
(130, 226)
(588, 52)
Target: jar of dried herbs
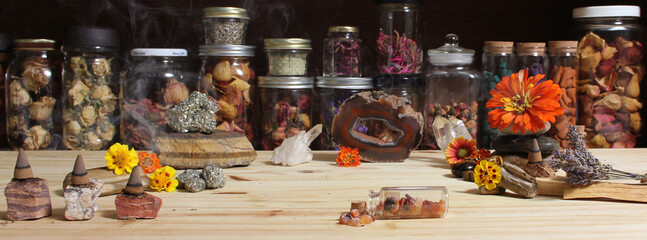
(5, 58)
(155, 80)
(228, 77)
(331, 93)
(498, 61)
(90, 88)
(33, 95)
(562, 56)
(532, 56)
(342, 52)
(399, 40)
(611, 70)
(452, 90)
(225, 25)
(288, 56)
(286, 108)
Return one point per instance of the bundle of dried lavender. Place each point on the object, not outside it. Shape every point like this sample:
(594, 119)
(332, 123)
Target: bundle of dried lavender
(581, 166)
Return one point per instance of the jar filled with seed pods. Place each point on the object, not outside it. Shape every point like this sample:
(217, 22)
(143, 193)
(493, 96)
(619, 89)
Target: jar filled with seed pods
(90, 88)
(228, 77)
(225, 25)
(342, 52)
(288, 56)
(563, 67)
(154, 81)
(33, 95)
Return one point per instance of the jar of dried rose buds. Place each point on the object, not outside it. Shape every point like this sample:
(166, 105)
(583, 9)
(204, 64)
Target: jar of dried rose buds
(225, 25)
(288, 56)
(33, 95)
(286, 108)
(562, 56)
(611, 107)
(157, 79)
(342, 52)
(90, 88)
(228, 77)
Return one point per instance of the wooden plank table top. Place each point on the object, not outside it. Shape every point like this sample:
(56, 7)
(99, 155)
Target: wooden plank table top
(268, 201)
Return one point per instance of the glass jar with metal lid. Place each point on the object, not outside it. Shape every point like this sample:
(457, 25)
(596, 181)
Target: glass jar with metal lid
(331, 93)
(286, 108)
(342, 52)
(228, 77)
(287, 56)
(399, 43)
(562, 56)
(451, 93)
(90, 88)
(5, 58)
(157, 79)
(611, 70)
(33, 95)
(532, 56)
(225, 25)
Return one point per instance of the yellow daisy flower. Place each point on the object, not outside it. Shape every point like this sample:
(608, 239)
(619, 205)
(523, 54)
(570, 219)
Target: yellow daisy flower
(120, 159)
(163, 179)
(487, 173)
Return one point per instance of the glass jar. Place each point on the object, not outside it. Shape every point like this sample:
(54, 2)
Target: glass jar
(287, 56)
(228, 78)
(452, 90)
(563, 61)
(399, 43)
(225, 25)
(341, 56)
(409, 87)
(157, 79)
(33, 95)
(498, 61)
(331, 93)
(532, 56)
(408, 202)
(5, 58)
(90, 88)
(286, 108)
(610, 72)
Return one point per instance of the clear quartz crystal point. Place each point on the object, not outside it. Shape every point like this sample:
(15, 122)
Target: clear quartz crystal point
(446, 129)
(295, 150)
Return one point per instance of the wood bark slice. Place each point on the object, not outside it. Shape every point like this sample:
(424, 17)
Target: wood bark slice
(113, 184)
(195, 150)
(517, 180)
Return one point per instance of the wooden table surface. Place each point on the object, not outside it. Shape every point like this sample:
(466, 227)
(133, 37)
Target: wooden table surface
(268, 201)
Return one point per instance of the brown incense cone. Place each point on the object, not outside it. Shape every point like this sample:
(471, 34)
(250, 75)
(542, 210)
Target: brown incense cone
(134, 185)
(535, 154)
(22, 169)
(79, 174)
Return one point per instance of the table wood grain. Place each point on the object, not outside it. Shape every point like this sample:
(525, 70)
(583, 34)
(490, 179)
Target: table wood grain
(276, 202)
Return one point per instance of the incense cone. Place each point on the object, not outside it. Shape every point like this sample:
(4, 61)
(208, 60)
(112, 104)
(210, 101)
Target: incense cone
(535, 154)
(22, 169)
(134, 185)
(79, 174)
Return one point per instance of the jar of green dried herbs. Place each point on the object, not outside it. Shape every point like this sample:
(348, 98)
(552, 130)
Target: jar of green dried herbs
(288, 56)
(225, 25)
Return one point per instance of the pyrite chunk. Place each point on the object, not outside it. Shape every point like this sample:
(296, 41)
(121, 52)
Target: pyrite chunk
(194, 114)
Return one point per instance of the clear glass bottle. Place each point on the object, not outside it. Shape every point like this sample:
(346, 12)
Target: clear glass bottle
(33, 95)
(5, 58)
(225, 25)
(90, 88)
(399, 43)
(409, 87)
(563, 67)
(288, 56)
(610, 104)
(452, 89)
(228, 77)
(331, 93)
(498, 61)
(286, 108)
(341, 56)
(408, 202)
(532, 56)
(156, 79)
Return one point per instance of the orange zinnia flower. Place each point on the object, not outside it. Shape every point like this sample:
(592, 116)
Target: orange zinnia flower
(149, 162)
(521, 102)
(459, 149)
(348, 157)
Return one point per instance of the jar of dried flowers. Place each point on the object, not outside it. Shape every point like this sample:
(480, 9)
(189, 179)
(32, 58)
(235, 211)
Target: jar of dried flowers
(410, 87)
(498, 61)
(562, 56)
(33, 88)
(532, 56)
(452, 89)
(342, 52)
(610, 74)
(155, 80)
(331, 93)
(225, 25)
(228, 77)
(90, 88)
(399, 43)
(287, 56)
(5, 58)
(286, 108)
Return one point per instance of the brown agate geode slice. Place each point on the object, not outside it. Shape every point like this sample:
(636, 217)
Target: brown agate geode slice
(403, 124)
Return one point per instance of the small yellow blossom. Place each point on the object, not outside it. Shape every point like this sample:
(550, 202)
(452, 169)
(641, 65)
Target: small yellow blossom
(120, 159)
(163, 179)
(487, 173)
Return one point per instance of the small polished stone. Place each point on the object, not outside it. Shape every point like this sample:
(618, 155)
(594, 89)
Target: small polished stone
(461, 167)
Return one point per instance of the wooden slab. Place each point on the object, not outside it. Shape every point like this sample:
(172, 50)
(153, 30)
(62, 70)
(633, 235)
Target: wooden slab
(556, 186)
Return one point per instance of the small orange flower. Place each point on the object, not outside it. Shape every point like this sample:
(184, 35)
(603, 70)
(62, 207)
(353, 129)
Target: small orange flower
(459, 149)
(149, 161)
(480, 154)
(348, 157)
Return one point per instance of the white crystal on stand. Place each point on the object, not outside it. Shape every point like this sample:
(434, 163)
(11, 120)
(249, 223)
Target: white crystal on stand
(295, 150)
(446, 129)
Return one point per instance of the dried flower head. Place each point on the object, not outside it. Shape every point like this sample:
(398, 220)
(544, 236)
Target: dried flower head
(348, 157)
(149, 161)
(120, 159)
(163, 179)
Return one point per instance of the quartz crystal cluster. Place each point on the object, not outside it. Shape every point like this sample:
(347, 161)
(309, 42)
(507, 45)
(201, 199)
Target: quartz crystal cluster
(295, 150)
